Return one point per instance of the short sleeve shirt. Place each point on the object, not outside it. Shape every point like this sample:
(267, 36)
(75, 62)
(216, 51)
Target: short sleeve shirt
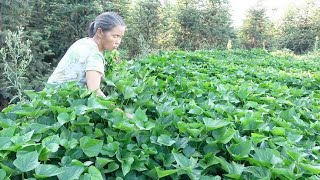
(81, 57)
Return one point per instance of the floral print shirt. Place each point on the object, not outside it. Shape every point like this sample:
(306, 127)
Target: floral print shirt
(81, 57)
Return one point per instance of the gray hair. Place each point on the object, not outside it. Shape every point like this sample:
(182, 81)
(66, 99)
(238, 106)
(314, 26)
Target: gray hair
(106, 21)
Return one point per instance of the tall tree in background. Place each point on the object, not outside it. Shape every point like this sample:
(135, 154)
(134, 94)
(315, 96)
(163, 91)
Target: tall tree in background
(217, 24)
(254, 32)
(188, 17)
(203, 24)
(143, 27)
(168, 26)
(300, 27)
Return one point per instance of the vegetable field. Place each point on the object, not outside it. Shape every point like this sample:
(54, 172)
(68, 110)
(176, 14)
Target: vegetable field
(197, 115)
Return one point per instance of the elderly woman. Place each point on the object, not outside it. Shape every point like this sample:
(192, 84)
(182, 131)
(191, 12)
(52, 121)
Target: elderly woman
(84, 61)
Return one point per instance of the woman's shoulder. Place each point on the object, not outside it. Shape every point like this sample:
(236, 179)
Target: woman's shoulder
(84, 42)
(84, 46)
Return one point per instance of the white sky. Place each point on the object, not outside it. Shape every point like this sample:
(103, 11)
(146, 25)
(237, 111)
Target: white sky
(275, 8)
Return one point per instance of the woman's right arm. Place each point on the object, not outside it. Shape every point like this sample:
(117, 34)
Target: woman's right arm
(93, 81)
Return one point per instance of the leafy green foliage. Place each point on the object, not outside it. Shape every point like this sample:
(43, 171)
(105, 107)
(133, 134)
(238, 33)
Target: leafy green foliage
(197, 115)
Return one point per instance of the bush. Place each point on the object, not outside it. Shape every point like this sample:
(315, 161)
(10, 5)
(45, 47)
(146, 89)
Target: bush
(16, 57)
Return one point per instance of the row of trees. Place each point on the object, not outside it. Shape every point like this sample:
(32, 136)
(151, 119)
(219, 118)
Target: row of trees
(53, 25)
(297, 30)
(159, 24)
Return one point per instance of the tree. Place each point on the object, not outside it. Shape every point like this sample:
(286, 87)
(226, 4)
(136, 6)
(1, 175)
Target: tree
(203, 24)
(143, 27)
(188, 17)
(300, 27)
(254, 32)
(217, 23)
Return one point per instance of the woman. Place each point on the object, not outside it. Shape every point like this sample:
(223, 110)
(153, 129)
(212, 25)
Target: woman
(84, 61)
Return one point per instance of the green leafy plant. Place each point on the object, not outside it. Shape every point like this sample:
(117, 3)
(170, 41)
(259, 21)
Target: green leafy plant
(197, 115)
(111, 58)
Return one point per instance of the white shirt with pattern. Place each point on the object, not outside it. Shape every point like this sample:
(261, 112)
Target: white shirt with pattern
(82, 56)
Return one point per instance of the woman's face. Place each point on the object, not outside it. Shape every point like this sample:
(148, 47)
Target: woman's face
(111, 40)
